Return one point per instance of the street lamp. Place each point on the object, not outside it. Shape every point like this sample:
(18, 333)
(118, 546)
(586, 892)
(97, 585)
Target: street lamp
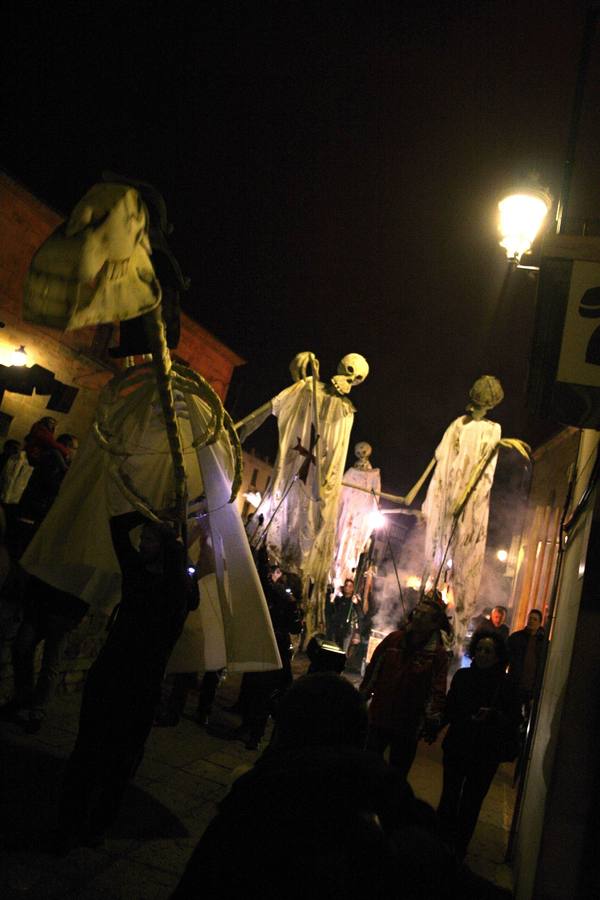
(521, 216)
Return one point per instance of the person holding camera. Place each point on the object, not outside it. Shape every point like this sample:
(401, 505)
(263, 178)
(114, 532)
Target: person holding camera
(483, 715)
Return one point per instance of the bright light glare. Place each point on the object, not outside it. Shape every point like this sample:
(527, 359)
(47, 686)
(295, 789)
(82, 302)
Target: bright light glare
(521, 217)
(19, 357)
(253, 498)
(376, 520)
(502, 555)
(448, 563)
(414, 582)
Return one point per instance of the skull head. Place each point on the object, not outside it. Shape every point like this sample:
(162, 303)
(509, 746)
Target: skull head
(96, 268)
(485, 394)
(362, 452)
(352, 370)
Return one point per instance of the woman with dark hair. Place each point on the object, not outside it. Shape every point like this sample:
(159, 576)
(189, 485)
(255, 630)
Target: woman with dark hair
(483, 713)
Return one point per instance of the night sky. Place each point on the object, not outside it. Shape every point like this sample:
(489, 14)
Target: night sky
(331, 170)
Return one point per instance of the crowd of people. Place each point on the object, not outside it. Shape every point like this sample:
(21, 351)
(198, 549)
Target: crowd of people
(324, 767)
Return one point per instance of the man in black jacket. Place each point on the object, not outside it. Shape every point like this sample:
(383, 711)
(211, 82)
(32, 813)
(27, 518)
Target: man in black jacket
(525, 653)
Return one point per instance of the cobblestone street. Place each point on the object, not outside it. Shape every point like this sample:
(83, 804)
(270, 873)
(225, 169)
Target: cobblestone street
(185, 772)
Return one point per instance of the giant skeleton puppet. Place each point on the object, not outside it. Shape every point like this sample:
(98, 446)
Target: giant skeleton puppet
(456, 507)
(160, 433)
(361, 490)
(300, 507)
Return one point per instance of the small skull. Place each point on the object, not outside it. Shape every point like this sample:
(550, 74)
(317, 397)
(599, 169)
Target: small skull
(362, 452)
(352, 370)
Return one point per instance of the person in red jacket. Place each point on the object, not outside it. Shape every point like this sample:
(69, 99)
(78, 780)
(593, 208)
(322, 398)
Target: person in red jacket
(407, 680)
(41, 438)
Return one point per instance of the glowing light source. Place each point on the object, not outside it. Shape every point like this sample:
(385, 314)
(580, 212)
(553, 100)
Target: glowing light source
(376, 520)
(448, 563)
(521, 217)
(253, 497)
(414, 582)
(502, 555)
(19, 357)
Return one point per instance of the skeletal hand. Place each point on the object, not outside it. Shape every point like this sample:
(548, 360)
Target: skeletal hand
(300, 363)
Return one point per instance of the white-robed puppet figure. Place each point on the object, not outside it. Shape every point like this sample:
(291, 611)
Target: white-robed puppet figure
(160, 434)
(456, 508)
(355, 517)
(300, 507)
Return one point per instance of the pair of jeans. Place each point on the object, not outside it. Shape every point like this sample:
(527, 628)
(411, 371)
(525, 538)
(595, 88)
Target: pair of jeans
(466, 783)
(50, 616)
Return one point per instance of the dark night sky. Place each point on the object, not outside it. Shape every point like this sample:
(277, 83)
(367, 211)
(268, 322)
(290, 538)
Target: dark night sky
(332, 172)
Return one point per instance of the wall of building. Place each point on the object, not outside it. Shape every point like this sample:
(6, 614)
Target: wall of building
(560, 780)
(537, 552)
(256, 477)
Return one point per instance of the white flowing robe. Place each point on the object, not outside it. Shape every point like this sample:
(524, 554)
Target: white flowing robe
(354, 520)
(464, 444)
(301, 529)
(73, 550)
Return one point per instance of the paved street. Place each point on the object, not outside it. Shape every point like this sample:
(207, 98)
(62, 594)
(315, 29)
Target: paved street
(186, 770)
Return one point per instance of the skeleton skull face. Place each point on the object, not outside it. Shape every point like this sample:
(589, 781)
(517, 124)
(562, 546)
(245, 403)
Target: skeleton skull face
(96, 268)
(352, 370)
(362, 452)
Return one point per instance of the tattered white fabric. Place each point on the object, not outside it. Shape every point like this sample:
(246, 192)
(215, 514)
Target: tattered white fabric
(466, 442)
(354, 519)
(201, 645)
(125, 463)
(301, 529)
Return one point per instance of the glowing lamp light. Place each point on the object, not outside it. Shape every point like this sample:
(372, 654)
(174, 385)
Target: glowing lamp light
(521, 217)
(19, 357)
(502, 555)
(414, 582)
(376, 520)
(253, 497)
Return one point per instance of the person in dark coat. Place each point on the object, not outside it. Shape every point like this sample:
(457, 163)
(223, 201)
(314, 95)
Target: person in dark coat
(123, 686)
(314, 815)
(339, 612)
(407, 678)
(495, 624)
(525, 655)
(483, 713)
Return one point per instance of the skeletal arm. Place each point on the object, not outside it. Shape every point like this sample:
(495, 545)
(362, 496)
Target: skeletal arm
(419, 484)
(247, 426)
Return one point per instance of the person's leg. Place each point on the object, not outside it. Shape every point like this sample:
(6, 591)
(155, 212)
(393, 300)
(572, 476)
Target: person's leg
(206, 695)
(378, 740)
(478, 779)
(23, 654)
(403, 749)
(170, 714)
(257, 715)
(56, 635)
(450, 799)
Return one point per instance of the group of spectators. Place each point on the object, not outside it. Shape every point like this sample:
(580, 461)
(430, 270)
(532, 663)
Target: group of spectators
(31, 611)
(324, 766)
